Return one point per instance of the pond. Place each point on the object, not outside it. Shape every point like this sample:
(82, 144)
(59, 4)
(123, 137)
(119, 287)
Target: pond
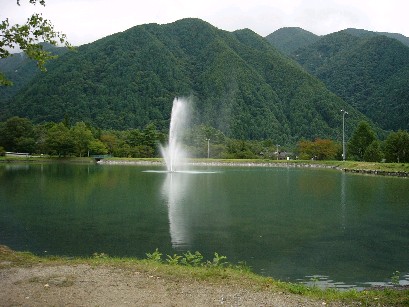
(315, 226)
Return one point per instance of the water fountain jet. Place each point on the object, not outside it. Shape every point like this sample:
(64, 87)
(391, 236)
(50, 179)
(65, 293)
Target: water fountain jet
(174, 153)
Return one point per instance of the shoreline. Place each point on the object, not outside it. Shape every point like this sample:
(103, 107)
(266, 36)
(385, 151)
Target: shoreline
(105, 281)
(400, 170)
(236, 163)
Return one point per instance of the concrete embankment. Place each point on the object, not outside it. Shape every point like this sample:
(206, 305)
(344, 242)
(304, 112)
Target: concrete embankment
(376, 172)
(265, 164)
(221, 163)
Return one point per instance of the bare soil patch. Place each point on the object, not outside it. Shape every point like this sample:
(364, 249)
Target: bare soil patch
(104, 285)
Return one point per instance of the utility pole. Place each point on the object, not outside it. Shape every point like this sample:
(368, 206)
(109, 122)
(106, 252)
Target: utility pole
(208, 148)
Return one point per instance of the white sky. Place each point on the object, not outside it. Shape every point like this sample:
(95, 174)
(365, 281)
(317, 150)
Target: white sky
(84, 21)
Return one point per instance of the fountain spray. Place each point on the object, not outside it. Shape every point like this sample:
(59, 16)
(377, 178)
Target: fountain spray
(173, 153)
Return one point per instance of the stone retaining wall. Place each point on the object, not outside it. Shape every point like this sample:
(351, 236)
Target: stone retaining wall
(377, 172)
(266, 164)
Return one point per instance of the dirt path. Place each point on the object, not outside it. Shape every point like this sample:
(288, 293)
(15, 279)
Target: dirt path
(85, 285)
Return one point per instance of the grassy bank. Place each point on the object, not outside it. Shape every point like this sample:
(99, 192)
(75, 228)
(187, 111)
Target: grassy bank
(219, 273)
(45, 159)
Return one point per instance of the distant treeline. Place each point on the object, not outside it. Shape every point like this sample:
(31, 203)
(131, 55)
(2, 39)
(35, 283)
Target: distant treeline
(80, 139)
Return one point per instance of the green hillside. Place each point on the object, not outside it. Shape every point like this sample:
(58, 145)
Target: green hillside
(370, 72)
(237, 82)
(20, 69)
(361, 32)
(289, 39)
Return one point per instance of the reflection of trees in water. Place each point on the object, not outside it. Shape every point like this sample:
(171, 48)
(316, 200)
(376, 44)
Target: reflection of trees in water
(80, 209)
(364, 191)
(77, 184)
(317, 187)
(55, 189)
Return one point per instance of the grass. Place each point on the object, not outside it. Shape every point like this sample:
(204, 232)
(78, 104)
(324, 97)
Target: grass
(387, 167)
(136, 159)
(45, 159)
(214, 274)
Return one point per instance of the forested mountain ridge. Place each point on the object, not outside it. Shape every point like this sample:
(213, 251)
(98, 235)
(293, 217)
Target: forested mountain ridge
(21, 69)
(237, 81)
(370, 72)
(289, 39)
(361, 32)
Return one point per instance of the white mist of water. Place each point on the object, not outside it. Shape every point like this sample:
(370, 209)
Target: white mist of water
(173, 153)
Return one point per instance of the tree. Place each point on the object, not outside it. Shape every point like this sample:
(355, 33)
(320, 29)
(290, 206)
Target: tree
(239, 149)
(320, 149)
(97, 147)
(362, 137)
(59, 140)
(142, 151)
(305, 150)
(82, 136)
(374, 152)
(326, 149)
(41, 135)
(15, 133)
(28, 37)
(110, 141)
(134, 137)
(397, 147)
(150, 135)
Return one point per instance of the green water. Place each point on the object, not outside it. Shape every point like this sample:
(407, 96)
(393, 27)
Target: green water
(290, 223)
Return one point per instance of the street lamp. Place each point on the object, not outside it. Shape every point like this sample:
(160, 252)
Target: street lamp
(208, 148)
(343, 134)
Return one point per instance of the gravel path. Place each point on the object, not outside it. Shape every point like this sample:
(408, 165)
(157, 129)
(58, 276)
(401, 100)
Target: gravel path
(85, 285)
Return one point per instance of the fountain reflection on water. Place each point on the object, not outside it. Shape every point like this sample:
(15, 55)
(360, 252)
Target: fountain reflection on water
(173, 189)
(177, 178)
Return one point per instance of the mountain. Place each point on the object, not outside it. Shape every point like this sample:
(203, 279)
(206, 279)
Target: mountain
(237, 82)
(360, 32)
(20, 69)
(369, 71)
(289, 39)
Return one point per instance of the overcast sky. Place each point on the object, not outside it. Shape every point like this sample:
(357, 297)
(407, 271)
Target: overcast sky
(84, 21)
